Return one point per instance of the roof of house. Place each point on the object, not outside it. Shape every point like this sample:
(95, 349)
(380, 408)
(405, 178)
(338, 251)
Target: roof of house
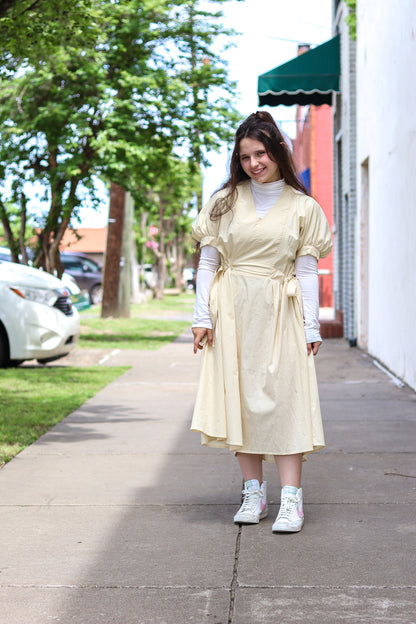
(86, 240)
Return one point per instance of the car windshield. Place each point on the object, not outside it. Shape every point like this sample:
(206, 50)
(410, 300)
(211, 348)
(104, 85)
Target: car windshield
(90, 264)
(79, 265)
(72, 264)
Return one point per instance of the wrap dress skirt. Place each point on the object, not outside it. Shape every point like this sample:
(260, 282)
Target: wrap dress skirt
(258, 391)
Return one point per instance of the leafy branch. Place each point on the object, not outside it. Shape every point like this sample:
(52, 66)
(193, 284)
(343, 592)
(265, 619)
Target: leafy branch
(351, 19)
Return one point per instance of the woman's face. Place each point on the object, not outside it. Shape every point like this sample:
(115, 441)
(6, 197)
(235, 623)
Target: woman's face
(256, 163)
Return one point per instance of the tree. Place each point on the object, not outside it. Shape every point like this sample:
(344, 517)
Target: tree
(172, 195)
(76, 114)
(209, 116)
(204, 119)
(32, 30)
(48, 137)
(120, 105)
(13, 219)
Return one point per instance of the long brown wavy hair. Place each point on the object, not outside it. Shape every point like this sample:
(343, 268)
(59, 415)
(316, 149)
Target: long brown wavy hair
(261, 127)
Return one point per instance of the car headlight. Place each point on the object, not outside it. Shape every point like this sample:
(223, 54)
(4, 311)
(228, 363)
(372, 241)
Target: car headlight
(39, 295)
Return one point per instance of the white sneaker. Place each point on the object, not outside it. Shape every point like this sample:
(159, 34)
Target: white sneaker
(290, 518)
(254, 507)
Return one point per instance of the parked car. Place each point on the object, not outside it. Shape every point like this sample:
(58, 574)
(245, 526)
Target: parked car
(189, 276)
(87, 273)
(150, 276)
(37, 318)
(5, 254)
(80, 298)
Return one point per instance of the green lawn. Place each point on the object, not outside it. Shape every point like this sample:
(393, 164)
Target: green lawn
(32, 400)
(168, 307)
(150, 326)
(132, 333)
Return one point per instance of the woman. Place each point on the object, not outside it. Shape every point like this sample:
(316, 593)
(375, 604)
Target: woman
(256, 319)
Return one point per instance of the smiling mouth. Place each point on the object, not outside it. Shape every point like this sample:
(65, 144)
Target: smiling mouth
(259, 172)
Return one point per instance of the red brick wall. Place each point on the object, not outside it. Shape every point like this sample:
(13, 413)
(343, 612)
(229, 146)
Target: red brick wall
(312, 148)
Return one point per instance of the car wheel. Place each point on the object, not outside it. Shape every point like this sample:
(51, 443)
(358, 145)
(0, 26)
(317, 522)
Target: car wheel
(4, 348)
(96, 294)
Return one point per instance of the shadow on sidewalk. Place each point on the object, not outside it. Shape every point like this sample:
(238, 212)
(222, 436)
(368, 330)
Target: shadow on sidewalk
(167, 554)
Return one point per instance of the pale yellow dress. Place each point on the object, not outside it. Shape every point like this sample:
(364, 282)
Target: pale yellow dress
(258, 391)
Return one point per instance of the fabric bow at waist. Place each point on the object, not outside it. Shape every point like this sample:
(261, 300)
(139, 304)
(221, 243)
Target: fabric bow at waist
(290, 282)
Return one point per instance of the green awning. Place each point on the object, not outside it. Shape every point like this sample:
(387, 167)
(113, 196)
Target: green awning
(310, 78)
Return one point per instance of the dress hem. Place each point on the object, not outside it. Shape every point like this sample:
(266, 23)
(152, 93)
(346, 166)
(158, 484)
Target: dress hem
(267, 455)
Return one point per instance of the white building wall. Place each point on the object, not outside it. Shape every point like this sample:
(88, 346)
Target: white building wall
(345, 177)
(386, 175)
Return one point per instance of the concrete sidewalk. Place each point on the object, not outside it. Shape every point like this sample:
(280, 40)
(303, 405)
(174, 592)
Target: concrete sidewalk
(118, 516)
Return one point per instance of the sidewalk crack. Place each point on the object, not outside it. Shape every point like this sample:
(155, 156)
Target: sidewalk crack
(234, 580)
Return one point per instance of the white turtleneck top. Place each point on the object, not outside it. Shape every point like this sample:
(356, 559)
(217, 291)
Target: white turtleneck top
(306, 269)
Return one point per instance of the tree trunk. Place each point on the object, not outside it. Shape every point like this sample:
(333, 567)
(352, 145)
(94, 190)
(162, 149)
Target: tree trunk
(135, 275)
(161, 256)
(143, 222)
(14, 249)
(125, 267)
(22, 230)
(180, 283)
(110, 306)
(57, 222)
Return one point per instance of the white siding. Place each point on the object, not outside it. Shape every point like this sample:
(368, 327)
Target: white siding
(345, 200)
(386, 163)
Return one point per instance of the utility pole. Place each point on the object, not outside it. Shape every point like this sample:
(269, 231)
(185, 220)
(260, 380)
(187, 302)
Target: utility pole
(110, 305)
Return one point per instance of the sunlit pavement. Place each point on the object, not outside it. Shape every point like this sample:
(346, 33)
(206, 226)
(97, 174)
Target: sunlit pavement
(118, 516)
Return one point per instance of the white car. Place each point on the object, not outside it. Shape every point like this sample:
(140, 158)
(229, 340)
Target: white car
(37, 318)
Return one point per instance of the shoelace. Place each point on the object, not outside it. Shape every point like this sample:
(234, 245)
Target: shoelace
(250, 499)
(289, 504)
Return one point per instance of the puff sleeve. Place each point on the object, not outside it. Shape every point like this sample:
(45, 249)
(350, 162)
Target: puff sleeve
(204, 230)
(314, 235)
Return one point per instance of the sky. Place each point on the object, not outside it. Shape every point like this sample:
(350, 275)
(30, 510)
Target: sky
(270, 31)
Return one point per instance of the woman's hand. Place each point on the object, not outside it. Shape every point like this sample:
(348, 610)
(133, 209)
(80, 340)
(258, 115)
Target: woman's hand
(200, 335)
(313, 347)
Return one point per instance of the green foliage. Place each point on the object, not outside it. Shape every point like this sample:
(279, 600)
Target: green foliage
(129, 90)
(32, 30)
(208, 113)
(351, 19)
(38, 398)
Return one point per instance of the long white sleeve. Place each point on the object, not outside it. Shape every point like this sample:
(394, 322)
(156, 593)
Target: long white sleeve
(265, 195)
(306, 269)
(208, 264)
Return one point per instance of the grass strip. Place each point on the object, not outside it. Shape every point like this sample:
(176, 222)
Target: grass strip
(34, 400)
(151, 324)
(131, 333)
(171, 306)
